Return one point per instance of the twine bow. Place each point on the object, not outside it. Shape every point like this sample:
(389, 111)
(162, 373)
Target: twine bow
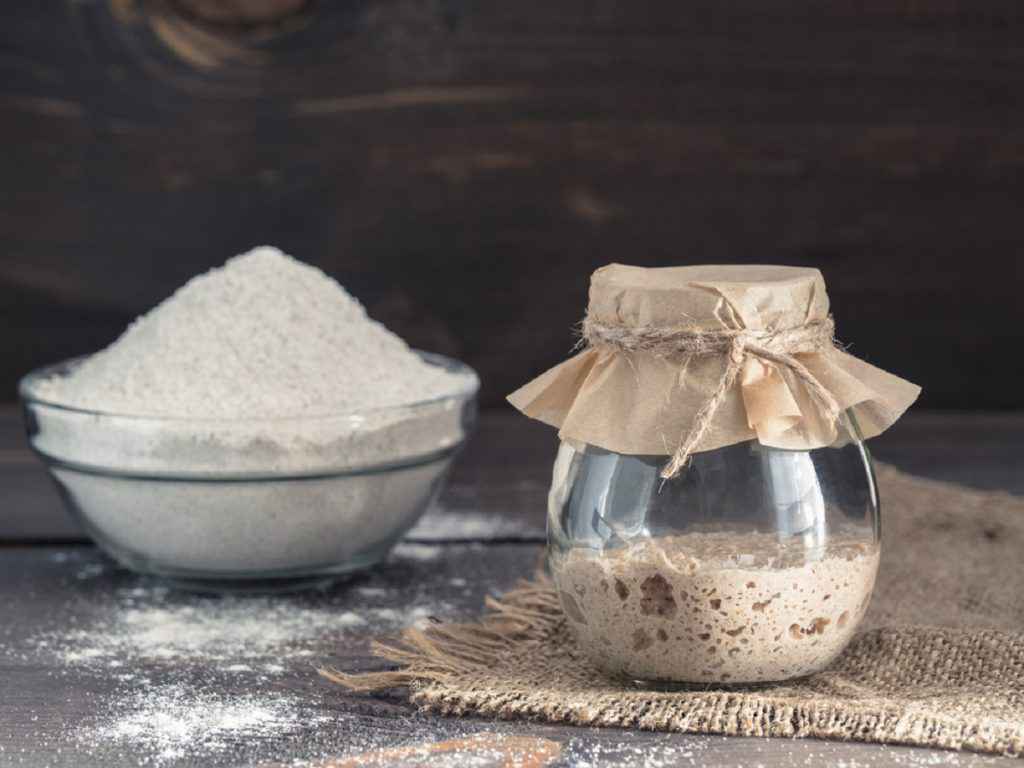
(778, 347)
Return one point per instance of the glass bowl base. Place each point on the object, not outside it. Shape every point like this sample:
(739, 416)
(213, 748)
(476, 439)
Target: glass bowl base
(248, 583)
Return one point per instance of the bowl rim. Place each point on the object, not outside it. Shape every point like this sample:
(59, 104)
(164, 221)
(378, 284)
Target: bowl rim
(27, 383)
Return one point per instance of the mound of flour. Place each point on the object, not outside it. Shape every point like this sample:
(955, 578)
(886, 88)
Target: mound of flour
(263, 336)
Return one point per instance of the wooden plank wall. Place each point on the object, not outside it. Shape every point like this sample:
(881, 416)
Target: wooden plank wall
(463, 166)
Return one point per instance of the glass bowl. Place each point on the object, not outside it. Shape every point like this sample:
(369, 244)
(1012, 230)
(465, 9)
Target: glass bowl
(213, 504)
(754, 564)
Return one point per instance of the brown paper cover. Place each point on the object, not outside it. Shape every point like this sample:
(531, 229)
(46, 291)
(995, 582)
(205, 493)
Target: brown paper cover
(642, 403)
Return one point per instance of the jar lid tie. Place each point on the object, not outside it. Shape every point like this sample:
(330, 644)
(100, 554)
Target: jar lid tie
(779, 347)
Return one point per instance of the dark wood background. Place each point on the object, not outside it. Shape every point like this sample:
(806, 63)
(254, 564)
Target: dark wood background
(463, 166)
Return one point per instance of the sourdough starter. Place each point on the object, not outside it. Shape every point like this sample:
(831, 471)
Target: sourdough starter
(716, 607)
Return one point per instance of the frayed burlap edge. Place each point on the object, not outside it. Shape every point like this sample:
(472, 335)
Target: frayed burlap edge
(460, 669)
(443, 653)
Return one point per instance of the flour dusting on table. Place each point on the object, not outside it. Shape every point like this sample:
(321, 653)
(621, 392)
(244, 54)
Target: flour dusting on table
(257, 634)
(172, 721)
(458, 525)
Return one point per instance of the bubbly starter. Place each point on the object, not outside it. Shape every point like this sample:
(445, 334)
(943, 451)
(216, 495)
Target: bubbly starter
(716, 607)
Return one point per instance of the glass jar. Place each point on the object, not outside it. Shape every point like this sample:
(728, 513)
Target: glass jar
(753, 564)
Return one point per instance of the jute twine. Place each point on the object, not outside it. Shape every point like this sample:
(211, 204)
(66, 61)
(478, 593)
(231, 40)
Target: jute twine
(736, 345)
(938, 662)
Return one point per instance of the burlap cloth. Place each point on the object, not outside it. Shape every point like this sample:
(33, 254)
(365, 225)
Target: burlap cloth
(939, 661)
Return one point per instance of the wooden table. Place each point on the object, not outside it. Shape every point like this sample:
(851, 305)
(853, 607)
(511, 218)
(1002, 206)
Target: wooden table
(102, 667)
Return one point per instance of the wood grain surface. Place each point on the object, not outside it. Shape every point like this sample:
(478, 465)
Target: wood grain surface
(462, 167)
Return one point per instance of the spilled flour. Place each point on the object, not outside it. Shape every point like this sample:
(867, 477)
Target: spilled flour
(237, 631)
(170, 678)
(235, 634)
(169, 721)
(421, 552)
(446, 525)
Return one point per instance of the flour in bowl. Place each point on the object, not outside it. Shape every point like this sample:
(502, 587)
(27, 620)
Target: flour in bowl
(263, 336)
(299, 436)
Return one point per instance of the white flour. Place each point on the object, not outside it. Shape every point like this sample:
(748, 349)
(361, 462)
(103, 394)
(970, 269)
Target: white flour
(263, 336)
(263, 368)
(256, 635)
(421, 552)
(173, 721)
(461, 525)
(218, 681)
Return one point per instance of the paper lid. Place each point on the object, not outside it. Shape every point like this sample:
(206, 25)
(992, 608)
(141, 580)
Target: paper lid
(644, 403)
